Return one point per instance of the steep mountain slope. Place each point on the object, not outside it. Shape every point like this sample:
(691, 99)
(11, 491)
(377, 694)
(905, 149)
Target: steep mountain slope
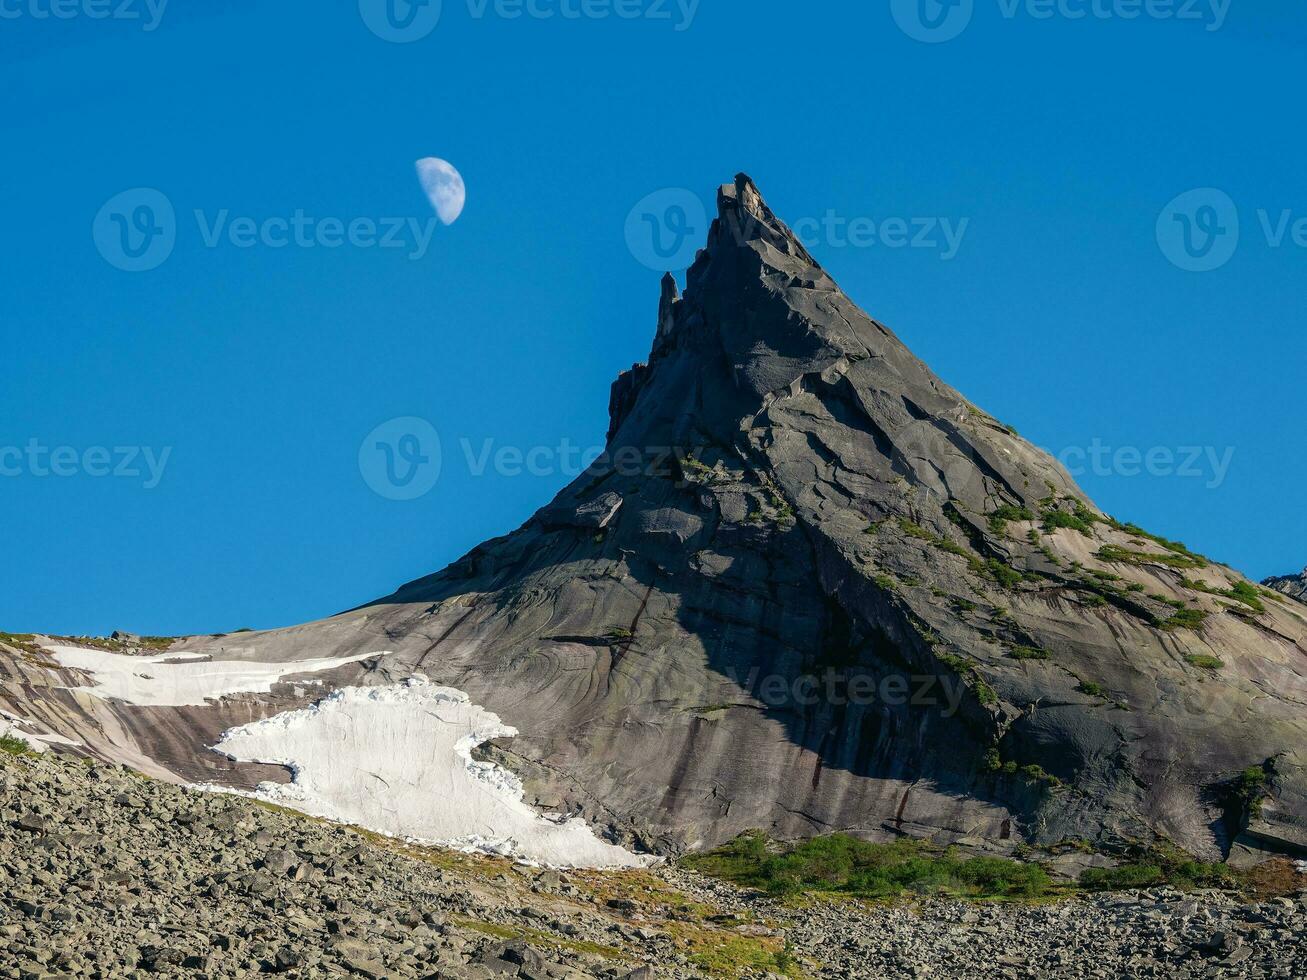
(1294, 586)
(810, 588)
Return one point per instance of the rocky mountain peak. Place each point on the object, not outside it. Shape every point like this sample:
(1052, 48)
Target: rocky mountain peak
(811, 587)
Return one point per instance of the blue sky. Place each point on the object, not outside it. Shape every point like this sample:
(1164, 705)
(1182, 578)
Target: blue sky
(1052, 146)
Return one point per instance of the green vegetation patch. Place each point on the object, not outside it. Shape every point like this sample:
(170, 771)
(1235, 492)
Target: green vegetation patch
(1054, 519)
(1027, 653)
(1162, 867)
(24, 642)
(1004, 575)
(914, 530)
(1115, 553)
(1244, 592)
(1189, 619)
(1205, 661)
(998, 520)
(538, 937)
(13, 745)
(1251, 788)
(1176, 547)
(843, 864)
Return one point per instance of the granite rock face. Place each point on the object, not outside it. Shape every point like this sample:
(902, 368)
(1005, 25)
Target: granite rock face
(810, 587)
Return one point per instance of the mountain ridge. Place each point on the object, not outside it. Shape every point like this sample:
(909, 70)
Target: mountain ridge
(1294, 586)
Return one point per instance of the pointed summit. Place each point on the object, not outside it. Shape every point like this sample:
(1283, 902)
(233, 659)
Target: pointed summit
(810, 587)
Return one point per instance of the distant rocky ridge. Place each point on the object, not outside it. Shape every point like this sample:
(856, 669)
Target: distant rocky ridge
(810, 587)
(1294, 586)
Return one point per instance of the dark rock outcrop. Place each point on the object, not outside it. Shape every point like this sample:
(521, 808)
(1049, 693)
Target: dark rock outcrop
(810, 587)
(1294, 586)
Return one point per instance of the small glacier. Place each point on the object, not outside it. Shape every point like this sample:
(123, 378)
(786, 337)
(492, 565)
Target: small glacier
(398, 760)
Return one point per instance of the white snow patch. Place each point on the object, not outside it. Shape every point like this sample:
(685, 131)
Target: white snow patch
(398, 760)
(187, 678)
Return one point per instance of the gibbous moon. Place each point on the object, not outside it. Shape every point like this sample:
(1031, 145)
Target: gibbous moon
(443, 186)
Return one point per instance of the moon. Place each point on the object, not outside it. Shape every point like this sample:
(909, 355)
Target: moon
(443, 186)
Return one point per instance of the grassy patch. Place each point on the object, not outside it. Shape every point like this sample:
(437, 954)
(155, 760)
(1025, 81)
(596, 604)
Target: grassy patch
(1159, 870)
(1205, 660)
(1244, 592)
(914, 530)
(1175, 547)
(1027, 653)
(1115, 553)
(722, 953)
(1004, 575)
(1250, 789)
(1054, 519)
(842, 864)
(24, 642)
(784, 512)
(13, 745)
(1189, 619)
(965, 669)
(538, 937)
(998, 520)
(1092, 689)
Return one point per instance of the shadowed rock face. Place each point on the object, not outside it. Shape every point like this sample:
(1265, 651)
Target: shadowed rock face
(1294, 586)
(811, 588)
